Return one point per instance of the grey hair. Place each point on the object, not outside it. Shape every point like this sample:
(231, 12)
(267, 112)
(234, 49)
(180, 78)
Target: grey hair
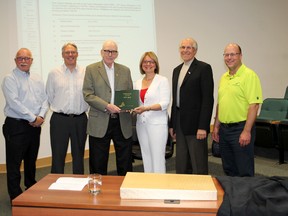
(192, 41)
(69, 44)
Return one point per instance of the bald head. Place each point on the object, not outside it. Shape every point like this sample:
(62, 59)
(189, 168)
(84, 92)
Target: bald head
(110, 43)
(24, 50)
(235, 46)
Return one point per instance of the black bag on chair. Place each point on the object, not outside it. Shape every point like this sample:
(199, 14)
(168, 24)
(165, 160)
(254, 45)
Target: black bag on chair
(215, 149)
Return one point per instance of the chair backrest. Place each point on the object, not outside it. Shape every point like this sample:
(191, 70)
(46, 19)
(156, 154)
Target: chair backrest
(286, 93)
(274, 109)
(134, 133)
(283, 133)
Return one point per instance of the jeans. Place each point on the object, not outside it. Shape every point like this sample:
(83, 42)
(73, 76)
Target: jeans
(236, 160)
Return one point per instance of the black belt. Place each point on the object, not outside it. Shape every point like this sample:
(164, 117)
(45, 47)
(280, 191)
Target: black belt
(228, 125)
(70, 115)
(17, 119)
(114, 115)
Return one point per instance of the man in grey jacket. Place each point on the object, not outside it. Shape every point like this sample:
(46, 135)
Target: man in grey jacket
(106, 122)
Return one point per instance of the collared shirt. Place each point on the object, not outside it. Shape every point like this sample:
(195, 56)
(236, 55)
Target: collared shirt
(111, 77)
(181, 77)
(64, 90)
(25, 95)
(236, 93)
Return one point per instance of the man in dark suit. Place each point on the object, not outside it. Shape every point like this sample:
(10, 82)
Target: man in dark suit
(192, 105)
(106, 122)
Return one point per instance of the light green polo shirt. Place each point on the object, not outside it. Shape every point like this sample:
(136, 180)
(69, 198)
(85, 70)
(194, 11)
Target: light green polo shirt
(236, 92)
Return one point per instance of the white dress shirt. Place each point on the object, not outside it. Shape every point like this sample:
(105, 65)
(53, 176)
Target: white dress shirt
(111, 77)
(64, 90)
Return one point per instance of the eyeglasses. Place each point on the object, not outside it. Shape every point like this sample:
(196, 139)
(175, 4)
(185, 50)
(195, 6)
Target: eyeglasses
(148, 62)
(226, 55)
(186, 47)
(23, 58)
(113, 52)
(70, 52)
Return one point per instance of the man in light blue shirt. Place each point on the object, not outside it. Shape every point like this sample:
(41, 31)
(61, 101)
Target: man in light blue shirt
(25, 109)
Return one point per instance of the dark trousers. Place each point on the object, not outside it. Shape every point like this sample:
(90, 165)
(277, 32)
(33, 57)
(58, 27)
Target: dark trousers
(99, 150)
(22, 143)
(236, 160)
(191, 153)
(62, 129)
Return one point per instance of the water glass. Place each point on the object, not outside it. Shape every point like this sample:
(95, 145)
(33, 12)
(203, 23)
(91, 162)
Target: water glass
(94, 183)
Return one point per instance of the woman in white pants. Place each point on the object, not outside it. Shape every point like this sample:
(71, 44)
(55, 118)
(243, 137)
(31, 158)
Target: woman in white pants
(152, 116)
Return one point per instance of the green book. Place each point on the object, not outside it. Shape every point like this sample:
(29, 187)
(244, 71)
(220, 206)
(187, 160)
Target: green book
(127, 99)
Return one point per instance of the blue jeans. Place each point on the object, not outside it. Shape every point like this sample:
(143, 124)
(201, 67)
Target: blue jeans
(236, 160)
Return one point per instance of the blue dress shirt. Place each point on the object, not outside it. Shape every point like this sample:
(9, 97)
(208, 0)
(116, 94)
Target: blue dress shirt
(25, 95)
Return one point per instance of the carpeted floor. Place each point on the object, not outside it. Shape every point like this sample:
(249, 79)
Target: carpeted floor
(266, 164)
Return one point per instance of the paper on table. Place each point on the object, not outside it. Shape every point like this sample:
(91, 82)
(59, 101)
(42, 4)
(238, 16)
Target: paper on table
(69, 183)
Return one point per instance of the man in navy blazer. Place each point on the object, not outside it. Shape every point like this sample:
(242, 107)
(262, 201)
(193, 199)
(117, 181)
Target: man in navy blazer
(106, 122)
(192, 105)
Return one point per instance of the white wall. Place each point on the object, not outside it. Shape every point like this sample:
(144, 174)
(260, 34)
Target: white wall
(259, 26)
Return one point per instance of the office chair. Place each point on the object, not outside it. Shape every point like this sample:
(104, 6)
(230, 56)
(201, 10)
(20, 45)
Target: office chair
(273, 110)
(286, 93)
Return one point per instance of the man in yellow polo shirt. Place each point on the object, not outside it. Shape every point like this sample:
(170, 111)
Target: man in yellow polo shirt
(239, 96)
